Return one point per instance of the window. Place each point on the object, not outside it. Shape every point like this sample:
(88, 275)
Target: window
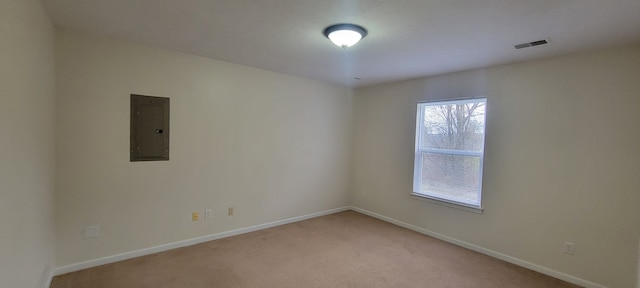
(450, 151)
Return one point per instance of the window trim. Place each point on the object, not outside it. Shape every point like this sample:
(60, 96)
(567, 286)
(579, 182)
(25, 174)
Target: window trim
(417, 167)
(447, 203)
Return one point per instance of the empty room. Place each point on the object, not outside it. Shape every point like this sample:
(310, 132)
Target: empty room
(338, 143)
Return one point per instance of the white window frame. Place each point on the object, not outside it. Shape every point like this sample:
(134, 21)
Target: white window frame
(417, 170)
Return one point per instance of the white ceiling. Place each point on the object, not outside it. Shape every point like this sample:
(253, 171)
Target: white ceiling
(407, 38)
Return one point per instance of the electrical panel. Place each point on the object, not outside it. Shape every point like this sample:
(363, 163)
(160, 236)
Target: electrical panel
(149, 139)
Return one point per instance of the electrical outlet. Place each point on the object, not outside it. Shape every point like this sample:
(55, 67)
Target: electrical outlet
(207, 214)
(194, 216)
(91, 232)
(569, 248)
(230, 211)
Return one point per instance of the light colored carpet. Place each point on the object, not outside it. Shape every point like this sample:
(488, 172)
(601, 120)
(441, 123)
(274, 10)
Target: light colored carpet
(345, 249)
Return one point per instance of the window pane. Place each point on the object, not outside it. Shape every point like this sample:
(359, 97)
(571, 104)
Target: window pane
(449, 151)
(451, 177)
(454, 126)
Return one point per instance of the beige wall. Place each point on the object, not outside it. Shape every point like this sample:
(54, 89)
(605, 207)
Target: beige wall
(561, 161)
(270, 145)
(27, 144)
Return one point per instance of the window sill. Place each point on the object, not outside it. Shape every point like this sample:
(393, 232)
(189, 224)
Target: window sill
(460, 206)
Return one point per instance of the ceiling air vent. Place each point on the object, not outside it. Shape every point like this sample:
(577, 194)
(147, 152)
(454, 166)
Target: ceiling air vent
(531, 44)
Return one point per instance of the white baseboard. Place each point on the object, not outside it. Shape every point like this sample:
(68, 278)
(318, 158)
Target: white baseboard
(49, 278)
(151, 250)
(494, 254)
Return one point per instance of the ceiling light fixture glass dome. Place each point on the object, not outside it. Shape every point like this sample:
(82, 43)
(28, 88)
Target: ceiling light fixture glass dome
(345, 35)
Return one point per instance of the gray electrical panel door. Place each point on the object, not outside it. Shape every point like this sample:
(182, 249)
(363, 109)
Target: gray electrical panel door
(149, 128)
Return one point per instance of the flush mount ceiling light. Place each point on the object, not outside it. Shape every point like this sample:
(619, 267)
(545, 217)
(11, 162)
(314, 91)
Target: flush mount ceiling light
(345, 35)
